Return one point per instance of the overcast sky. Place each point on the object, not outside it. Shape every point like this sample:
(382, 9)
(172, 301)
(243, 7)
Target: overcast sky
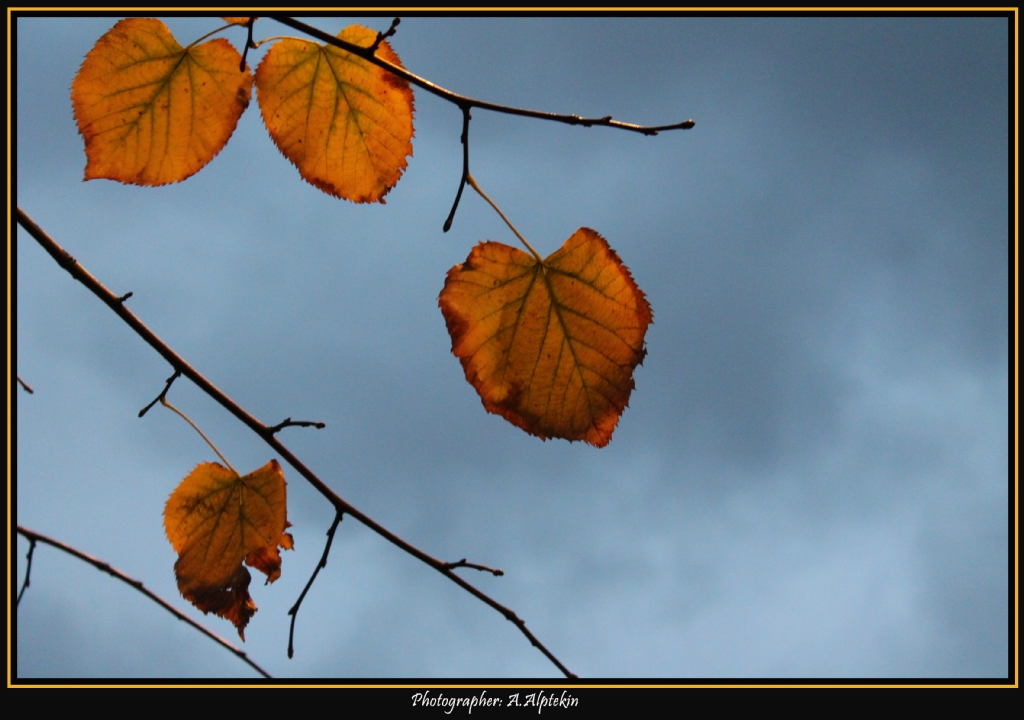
(810, 479)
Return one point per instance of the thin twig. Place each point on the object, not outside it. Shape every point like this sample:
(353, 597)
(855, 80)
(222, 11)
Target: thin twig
(381, 36)
(25, 385)
(473, 566)
(170, 380)
(466, 117)
(28, 568)
(294, 612)
(125, 296)
(288, 422)
(137, 584)
(462, 100)
(248, 44)
(181, 366)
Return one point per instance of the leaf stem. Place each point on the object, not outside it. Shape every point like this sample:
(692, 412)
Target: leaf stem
(212, 32)
(471, 181)
(163, 401)
(274, 38)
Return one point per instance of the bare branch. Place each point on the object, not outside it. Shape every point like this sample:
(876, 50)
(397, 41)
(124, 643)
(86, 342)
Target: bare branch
(28, 568)
(163, 393)
(482, 568)
(466, 117)
(182, 367)
(288, 422)
(25, 385)
(294, 612)
(33, 537)
(463, 101)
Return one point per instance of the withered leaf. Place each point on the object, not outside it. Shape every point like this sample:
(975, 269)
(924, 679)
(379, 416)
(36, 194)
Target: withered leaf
(549, 346)
(152, 112)
(345, 123)
(216, 520)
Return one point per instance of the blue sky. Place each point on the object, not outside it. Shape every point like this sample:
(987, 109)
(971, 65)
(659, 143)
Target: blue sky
(810, 479)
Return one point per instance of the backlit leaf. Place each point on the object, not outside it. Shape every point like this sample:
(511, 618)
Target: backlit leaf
(345, 123)
(151, 111)
(549, 346)
(217, 520)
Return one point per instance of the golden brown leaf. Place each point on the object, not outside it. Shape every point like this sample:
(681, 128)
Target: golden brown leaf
(217, 520)
(345, 123)
(236, 20)
(151, 111)
(549, 346)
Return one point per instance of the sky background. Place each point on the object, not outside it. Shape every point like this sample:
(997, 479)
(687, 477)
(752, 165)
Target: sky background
(810, 479)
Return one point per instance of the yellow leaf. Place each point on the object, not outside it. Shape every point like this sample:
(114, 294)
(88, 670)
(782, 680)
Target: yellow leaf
(151, 111)
(549, 346)
(217, 520)
(345, 123)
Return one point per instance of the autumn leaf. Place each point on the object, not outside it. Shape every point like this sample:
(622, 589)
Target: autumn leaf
(151, 111)
(237, 20)
(216, 520)
(551, 346)
(345, 123)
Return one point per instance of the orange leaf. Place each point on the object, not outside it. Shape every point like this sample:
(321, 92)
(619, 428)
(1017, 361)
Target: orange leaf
(549, 346)
(236, 20)
(345, 123)
(216, 520)
(151, 111)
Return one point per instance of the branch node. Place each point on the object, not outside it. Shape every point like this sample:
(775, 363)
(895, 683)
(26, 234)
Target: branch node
(163, 393)
(25, 385)
(294, 612)
(381, 36)
(496, 572)
(288, 422)
(125, 296)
